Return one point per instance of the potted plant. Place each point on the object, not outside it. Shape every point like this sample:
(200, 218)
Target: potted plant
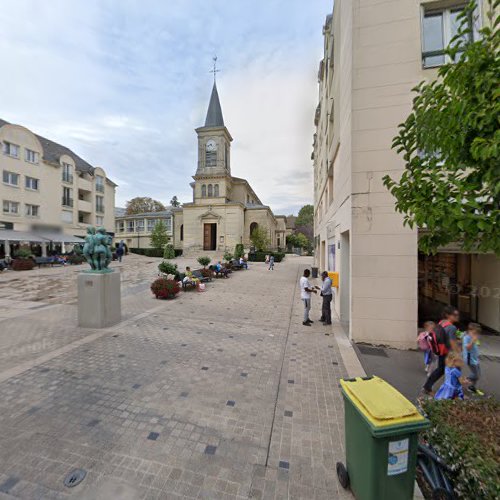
(204, 261)
(167, 268)
(23, 259)
(164, 288)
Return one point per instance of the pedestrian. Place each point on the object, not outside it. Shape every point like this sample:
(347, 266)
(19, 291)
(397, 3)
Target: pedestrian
(470, 353)
(271, 263)
(120, 250)
(424, 340)
(326, 293)
(243, 263)
(452, 386)
(444, 340)
(305, 293)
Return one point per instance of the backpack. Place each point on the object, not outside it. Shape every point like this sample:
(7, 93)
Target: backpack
(439, 342)
(423, 341)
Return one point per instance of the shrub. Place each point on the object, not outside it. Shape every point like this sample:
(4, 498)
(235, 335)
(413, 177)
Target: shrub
(261, 256)
(23, 252)
(163, 288)
(467, 435)
(148, 252)
(207, 273)
(239, 251)
(76, 259)
(169, 252)
(228, 257)
(204, 261)
(22, 264)
(166, 267)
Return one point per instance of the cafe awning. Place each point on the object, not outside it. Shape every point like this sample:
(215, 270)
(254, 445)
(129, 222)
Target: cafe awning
(38, 236)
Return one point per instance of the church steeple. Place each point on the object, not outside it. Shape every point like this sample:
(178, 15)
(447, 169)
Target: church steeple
(214, 114)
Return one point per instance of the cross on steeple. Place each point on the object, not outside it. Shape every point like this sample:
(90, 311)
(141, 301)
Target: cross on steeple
(214, 70)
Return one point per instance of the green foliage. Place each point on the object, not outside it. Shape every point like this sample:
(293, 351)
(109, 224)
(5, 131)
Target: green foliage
(159, 236)
(228, 256)
(261, 256)
(451, 146)
(466, 434)
(306, 216)
(163, 288)
(148, 252)
(297, 240)
(260, 239)
(204, 261)
(175, 202)
(239, 251)
(169, 252)
(76, 259)
(23, 252)
(143, 204)
(166, 267)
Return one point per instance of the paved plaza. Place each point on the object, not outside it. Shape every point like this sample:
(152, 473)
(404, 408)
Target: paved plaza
(222, 394)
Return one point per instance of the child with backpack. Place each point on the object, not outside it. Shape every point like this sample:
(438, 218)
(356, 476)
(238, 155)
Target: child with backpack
(470, 353)
(424, 341)
(452, 386)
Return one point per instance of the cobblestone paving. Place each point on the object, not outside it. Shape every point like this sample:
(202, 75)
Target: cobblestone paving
(220, 395)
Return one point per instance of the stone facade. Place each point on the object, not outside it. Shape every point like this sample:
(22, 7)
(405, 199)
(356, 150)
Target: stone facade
(47, 187)
(373, 57)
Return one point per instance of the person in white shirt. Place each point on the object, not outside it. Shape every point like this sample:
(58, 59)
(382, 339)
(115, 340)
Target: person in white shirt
(305, 293)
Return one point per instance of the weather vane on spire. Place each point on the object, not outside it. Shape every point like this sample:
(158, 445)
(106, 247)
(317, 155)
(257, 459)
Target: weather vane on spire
(214, 70)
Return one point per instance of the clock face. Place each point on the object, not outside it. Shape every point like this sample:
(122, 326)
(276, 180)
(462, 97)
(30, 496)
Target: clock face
(211, 145)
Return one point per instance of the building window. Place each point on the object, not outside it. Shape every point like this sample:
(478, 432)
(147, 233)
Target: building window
(210, 190)
(182, 232)
(253, 227)
(226, 156)
(139, 226)
(211, 158)
(120, 226)
(216, 190)
(130, 226)
(32, 210)
(168, 224)
(67, 216)
(99, 183)
(99, 204)
(31, 183)
(10, 207)
(30, 156)
(99, 220)
(67, 173)
(67, 197)
(10, 149)
(203, 191)
(151, 224)
(10, 178)
(439, 27)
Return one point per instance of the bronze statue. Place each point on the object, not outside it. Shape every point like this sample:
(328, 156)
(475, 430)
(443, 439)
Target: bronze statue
(97, 250)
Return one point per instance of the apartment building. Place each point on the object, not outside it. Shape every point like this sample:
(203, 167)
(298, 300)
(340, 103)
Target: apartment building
(48, 193)
(375, 52)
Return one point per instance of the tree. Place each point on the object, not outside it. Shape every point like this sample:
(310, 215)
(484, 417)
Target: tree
(204, 261)
(260, 239)
(159, 236)
(297, 240)
(175, 202)
(305, 217)
(142, 204)
(450, 143)
(169, 252)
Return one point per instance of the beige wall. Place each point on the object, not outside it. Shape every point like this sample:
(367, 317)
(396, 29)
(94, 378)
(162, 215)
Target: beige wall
(486, 281)
(140, 239)
(50, 190)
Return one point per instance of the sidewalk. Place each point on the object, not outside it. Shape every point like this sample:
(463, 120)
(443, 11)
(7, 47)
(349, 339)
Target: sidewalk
(222, 394)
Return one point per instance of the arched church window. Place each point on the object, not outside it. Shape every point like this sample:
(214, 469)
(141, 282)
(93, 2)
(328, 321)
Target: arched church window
(203, 191)
(216, 190)
(226, 157)
(210, 190)
(253, 227)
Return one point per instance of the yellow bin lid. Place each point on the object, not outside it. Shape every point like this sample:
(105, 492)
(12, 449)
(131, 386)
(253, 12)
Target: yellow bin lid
(380, 403)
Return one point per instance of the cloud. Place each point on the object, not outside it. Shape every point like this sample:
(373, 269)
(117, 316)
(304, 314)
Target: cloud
(125, 87)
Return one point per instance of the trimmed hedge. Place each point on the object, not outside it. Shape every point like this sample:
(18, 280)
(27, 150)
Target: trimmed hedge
(466, 434)
(261, 256)
(22, 264)
(152, 252)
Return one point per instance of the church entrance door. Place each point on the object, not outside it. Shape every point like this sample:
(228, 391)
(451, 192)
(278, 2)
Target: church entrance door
(209, 236)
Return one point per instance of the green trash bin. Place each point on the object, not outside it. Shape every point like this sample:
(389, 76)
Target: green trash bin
(381, 431)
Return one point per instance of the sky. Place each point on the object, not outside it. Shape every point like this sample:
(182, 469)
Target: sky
(124, 83)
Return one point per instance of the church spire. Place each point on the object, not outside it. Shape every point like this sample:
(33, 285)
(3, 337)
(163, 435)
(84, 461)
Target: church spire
(214, 114)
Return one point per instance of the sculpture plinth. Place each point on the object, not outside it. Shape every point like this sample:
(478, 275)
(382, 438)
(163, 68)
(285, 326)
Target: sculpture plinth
(99, 299)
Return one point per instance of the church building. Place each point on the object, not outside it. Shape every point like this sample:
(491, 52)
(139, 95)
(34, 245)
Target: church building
(225, 209)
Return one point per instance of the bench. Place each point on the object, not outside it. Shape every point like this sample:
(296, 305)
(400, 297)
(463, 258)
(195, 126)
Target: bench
(236, 265)
(44, 261)
(198, 275)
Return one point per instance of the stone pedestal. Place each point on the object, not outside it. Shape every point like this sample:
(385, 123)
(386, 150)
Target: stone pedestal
(99, 299)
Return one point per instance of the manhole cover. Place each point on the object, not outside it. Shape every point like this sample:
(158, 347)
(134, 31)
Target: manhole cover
(74, 477)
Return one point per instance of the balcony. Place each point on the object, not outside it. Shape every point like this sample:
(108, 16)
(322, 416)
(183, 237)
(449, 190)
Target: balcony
(84, 206)
(84, 184)
(67, 202)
